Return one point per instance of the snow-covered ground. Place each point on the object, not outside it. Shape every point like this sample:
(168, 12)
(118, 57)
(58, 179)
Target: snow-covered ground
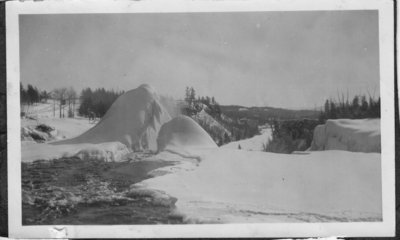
(241, 186)
(42, 110)
(255, 143)
(68, 128)
(65, 127)
(48, 114)
(230, 185)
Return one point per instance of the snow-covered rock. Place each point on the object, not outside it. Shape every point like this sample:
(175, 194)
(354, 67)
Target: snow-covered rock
(361, 135)
(181, 133)
(31, 133)
(134, 119)
(108, 152)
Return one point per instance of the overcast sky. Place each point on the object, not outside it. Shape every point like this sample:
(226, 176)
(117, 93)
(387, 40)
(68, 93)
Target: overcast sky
(280, 59)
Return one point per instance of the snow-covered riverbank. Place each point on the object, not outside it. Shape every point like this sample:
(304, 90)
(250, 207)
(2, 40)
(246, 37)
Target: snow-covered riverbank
(241, 186)
(256, 143)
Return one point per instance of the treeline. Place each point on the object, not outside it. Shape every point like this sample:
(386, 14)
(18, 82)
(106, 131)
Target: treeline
(359, 107)
(95, 103)
(31, 95)
(62, 98)
(297, 134)
(291, 135)
(238, 128)
(195, 105)
(65, 97)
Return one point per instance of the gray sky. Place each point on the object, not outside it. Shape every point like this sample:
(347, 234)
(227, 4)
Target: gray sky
(280, 59)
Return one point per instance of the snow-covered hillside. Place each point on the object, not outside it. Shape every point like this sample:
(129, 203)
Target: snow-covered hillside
(64, 127)
(255, 143)
(47, 113)
(47, 109)
(203, 118)
(360, 135)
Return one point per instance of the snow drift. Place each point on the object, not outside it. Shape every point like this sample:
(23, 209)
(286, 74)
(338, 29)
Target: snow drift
(134, 119)
(243, 186)
(183, 132)
(361, 135)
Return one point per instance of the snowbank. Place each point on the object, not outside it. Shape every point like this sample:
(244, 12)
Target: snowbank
(134, 119)
(108, 152)
(362, 135)
(242, 186)
(255, 143)
(181, 133)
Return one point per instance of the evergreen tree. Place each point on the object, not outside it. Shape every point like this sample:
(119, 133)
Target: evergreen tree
(192, 95)
(208, 100)
(226, 138)
(44, 95)
(333, 111)
(96, 102)
(187, 95)
(364, 106)
(31, 94)
(23, 95)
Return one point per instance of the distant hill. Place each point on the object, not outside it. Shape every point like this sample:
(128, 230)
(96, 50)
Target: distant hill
(263, 114)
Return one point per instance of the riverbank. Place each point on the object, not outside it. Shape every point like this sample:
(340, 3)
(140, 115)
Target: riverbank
(71, 191)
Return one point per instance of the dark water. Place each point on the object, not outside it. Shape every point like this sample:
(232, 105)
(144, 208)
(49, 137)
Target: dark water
(72, 191)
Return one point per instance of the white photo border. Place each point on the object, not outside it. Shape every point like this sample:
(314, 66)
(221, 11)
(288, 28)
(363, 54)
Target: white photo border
(352, 229)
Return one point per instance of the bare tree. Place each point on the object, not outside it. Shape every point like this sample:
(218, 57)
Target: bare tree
(71, 95)
(60, 95)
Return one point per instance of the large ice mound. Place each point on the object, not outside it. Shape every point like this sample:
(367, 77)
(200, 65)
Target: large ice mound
(134, 119)
(183, 132)
(361, 135)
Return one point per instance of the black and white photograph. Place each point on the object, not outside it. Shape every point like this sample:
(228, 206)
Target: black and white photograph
(202, 118)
